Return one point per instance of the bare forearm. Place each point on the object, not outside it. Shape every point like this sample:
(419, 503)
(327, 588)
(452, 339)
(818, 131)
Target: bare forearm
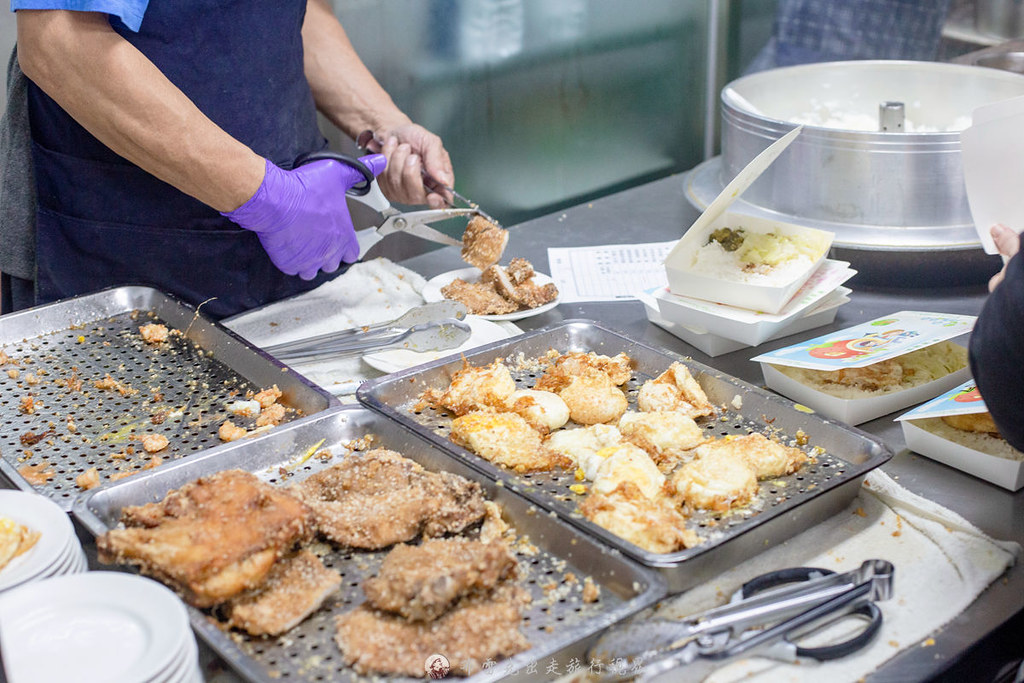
(120, 97)
(344, 89)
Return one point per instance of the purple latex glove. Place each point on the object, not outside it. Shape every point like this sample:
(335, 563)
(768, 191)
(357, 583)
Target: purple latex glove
(301, 215)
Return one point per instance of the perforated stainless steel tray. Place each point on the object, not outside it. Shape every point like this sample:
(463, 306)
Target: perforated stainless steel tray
(84, 339)
(558, 624)
(782, 508)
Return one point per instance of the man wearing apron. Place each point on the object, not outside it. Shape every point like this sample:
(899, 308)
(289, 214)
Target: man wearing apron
(163, 134)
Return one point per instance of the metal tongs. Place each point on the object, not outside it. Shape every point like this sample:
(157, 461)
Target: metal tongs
(411, 222)
(766, 617)
(431, 327)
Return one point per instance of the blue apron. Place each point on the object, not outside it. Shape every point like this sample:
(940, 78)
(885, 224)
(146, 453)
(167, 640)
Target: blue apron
(103, 221)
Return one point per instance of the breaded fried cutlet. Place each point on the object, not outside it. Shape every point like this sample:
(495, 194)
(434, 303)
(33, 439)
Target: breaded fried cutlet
(380, 498)
(981, 423)
(476, 630)
(212, 539)
(505, 439)
(421, 582)
(653, 525)
(295, 588)
(480, 298)
(483, 242)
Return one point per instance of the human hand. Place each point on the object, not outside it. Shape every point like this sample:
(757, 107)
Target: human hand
(1007, 244)
(411, 151)
(301, 215)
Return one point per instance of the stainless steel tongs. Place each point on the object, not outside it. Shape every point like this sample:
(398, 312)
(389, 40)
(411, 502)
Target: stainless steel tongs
(431, 327)
(767, 617)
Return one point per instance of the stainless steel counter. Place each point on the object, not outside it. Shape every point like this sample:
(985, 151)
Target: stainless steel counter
(658, 211)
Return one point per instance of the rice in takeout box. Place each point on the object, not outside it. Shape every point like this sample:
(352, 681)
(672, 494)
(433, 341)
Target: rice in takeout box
(874, 368)
(957, 430)
(746, 261)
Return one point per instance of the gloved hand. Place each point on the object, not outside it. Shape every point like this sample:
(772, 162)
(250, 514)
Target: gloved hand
(301, 215)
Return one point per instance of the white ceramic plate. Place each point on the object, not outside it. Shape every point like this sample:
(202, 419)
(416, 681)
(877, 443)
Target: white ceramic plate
(55, 536)
(102, 626)
(432, 292)
(481, 332)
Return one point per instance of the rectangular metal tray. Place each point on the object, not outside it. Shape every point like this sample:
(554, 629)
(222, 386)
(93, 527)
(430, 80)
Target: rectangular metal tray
(97, 334)
(783, 507)
(559, 625)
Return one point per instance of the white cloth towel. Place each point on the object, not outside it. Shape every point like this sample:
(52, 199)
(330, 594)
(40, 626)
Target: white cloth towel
(942, 562)
(367, 293)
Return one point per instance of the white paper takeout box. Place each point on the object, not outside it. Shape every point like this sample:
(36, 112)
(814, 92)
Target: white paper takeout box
(751, 328)
(823, 313)
(854, 411)
(994, 469)
(770, 298)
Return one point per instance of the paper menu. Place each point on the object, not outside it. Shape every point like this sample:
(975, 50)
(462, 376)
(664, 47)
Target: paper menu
(962, 400)
(871, 342)
(613, 272)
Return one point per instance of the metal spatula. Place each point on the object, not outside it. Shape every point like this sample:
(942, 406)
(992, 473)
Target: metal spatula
(431, 327)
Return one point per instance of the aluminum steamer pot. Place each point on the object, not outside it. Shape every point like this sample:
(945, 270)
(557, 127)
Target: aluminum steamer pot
(895, 200)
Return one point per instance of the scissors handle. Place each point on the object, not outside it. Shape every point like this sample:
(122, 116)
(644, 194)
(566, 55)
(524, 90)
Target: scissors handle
(357, 190)
(869, 611)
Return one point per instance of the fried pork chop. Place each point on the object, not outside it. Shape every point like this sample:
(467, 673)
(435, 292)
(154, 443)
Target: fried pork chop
(295, 588)
(476, 630)
(483, 242)
(480, 298)
(420, 582)
(381, 498)
(211, 539)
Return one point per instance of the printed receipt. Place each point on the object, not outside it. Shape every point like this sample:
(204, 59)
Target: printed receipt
(612, 272)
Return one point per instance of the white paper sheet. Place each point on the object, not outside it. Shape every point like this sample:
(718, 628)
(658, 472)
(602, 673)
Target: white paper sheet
(610, 272)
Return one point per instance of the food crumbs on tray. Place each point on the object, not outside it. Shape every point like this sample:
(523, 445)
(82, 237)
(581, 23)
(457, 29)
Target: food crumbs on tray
(152, 443)
(89, 479)
(153, 333)
(578, 489)
(37, 474)
(860, 512)
(802, 408)
(591, 591)
(229, 431)
(894, 643)
(737, 402)
(928, 643)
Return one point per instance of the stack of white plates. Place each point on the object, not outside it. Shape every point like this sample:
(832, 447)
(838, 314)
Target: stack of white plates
(57, 551)
(96, 627)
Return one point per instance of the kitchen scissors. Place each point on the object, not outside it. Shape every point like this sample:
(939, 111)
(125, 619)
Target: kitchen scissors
(768, 617)
(367, 192)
